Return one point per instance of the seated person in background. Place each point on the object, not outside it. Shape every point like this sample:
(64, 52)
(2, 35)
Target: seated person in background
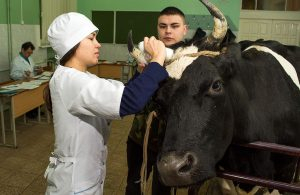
(23, 66)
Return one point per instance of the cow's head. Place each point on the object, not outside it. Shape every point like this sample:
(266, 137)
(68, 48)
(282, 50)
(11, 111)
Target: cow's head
(199, 118)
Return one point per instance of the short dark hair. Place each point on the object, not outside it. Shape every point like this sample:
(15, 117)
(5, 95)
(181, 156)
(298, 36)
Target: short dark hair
(27, 45)
(172, 11)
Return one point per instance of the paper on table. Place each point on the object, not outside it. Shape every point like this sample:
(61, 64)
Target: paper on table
(44, 78)
(29, 85)
(43, 75)
(35, 82)
(7, 91)
(37, 76)
(47, 73)
(25, 85)
(11, 87)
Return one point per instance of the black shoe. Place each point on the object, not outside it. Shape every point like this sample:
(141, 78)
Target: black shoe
(32, 114)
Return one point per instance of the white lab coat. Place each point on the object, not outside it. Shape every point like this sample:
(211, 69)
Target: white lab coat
(83, 105)
(19, 66)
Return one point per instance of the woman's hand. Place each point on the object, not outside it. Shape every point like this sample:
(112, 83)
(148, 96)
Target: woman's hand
(156, 49)
(140, 67)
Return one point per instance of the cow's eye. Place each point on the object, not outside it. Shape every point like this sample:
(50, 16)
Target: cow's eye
(217, 86)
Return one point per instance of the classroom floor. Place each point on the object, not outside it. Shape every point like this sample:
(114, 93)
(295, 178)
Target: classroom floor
(22, 169)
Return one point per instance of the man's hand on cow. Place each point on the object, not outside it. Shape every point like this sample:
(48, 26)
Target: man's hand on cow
(156, 49)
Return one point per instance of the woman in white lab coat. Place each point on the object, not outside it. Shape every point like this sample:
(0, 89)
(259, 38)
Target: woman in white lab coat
(83, 105)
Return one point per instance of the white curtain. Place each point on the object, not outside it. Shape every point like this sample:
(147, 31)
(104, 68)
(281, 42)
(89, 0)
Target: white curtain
(50, 9)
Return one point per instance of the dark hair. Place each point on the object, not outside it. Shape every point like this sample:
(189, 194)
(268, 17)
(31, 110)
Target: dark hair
(63, 61)
(27, 45)
(69, 55)
(172, 11)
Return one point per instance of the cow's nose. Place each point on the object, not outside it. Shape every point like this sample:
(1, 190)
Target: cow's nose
(175, 170)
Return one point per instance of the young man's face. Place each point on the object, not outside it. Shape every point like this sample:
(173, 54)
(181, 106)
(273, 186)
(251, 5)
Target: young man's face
(171, 29)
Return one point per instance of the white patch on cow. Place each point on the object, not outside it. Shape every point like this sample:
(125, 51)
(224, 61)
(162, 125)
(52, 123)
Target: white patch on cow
(176, 68)
(286, 65)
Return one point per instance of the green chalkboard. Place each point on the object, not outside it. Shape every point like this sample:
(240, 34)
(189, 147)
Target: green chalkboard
(141, 23)
(104, 20)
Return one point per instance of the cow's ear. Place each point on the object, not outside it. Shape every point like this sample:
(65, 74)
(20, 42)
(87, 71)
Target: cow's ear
(229, 37)
(162, 97)
(228, 60)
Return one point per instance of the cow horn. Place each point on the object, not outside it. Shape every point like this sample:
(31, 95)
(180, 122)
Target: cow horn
(220, 23)
(135, 52)
(130, 44)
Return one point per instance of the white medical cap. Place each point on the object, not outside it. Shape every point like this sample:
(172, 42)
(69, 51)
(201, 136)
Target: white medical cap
(67, 30)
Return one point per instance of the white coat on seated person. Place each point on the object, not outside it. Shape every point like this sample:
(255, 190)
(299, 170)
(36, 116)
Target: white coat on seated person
(83, 106)
(20, 66)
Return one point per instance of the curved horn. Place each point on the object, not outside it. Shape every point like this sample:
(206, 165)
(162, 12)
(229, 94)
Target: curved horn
(220, 26)
(130, 44)
(135, 52)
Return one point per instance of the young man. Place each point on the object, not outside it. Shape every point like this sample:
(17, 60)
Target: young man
(171, 28)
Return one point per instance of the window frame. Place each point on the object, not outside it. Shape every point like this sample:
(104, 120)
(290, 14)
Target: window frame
(256, 6)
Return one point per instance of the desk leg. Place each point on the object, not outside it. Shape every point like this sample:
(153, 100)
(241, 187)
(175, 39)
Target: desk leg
(13, 123)
(39, 114)
(48, 114)
(2, 122)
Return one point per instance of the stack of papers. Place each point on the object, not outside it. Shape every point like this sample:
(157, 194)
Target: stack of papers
(7, 91)
(11, 87)
(24, 85)
(39, 79)
(29, 85)
(44, 76)
(47, 73)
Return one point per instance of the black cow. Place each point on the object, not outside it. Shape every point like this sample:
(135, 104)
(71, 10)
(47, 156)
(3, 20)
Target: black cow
(228, 95)
(238, 96)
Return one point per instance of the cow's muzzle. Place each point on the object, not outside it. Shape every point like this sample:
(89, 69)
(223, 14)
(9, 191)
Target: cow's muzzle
(177, 170)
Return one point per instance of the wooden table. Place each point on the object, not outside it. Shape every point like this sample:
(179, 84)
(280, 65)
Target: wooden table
(117, 70)
(20, 103)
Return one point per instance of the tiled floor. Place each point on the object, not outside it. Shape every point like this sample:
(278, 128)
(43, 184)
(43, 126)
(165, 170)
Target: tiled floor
(22, 169)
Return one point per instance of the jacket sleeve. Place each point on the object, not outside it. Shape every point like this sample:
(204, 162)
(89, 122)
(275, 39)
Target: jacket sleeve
(139, 90)
(99, 97)
(110, 99)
